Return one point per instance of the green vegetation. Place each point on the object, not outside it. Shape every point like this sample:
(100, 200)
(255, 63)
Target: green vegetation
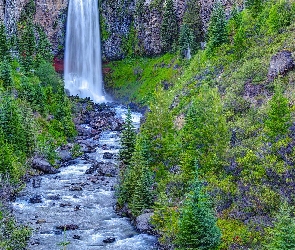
(127, 140)
(12, 236)
(35, 113)
(220, 110)
(197, 227)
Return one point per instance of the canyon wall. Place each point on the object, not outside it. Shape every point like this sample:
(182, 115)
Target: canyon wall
(50, 14)
(117, 18)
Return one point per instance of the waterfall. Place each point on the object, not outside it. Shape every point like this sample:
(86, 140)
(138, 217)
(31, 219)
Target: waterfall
(83, 73)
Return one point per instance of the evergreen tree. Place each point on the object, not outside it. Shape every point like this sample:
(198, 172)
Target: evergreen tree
(186, 41)
(278, 116)
(27, 46)
(169, 28)
(217, 30)
(192, 20)
(282, 235)
(142, 197)
(5, 74)
(127, 140)
(43, 48)
(4, 48)
(197, 222)
(205, 134)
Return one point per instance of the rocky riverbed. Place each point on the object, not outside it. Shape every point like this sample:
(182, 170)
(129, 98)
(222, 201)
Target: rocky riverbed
(74, 207)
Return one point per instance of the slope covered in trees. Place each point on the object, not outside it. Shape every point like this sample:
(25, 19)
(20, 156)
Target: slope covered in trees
(230, 113)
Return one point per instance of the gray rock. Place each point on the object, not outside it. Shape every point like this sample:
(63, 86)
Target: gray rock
(44, 166)
(108, 155)
(109, 240)
(64, 155)
(36, 199)
(76, 188)
(143, 223)
(280, 64)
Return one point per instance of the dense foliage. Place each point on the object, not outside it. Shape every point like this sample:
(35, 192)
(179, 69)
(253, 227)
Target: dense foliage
(223, 111)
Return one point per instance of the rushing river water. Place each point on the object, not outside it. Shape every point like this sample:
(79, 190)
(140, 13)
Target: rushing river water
(82, 202)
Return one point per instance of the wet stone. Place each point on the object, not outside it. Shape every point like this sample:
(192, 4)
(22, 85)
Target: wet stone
(53, 197)
(109, 240)
(68, 227)
(75, 188)
(36, 199)
(108, 156)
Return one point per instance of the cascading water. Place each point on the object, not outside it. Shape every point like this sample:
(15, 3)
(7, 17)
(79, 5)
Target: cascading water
(83, 73)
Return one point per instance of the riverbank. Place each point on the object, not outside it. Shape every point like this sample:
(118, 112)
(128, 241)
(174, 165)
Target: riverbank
(75, 207)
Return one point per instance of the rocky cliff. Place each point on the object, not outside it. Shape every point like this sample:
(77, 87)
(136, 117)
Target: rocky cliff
(50, 14)
(118, 19)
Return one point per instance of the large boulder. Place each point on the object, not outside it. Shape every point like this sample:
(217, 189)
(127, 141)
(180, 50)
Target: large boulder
(143, 223)
(280, 64)
(43, 166)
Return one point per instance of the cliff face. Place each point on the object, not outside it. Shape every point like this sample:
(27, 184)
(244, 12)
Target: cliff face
(117, 18)
(50, 14)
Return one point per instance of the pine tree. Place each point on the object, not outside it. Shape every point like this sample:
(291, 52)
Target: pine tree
(5, 74)
(217, 30)
(142, 196)
(192, 20)
(127, 140)
(282, 235)
(28, 46)
(186, 40)
(4, 48)
(197, 222)
(205, 134)
(43, 48)
(169, 28)
(278, 116)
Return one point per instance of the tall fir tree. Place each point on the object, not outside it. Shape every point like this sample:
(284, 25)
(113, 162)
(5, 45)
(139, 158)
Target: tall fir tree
(5, 74)
(217, 30)
(4, 45)
(128, 138)
(186, 41)
(197, 222)
(169, 28)
(43, 47)
(27, 46)
(142, 197)
(192, 20)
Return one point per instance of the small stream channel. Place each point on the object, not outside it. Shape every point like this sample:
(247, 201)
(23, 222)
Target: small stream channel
(81, 201)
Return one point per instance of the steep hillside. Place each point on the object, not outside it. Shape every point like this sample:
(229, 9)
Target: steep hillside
(216, 149)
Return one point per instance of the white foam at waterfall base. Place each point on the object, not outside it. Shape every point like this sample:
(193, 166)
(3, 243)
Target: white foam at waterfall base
(83, 73)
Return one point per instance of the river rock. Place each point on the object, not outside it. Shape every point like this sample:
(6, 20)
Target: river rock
(280, 64)
(143, 223)
(108, 156)
(75, 188)
(68, 227)
(109, 240)
(36, 183)
(44, 166)
(36, 199)
(65, 155)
